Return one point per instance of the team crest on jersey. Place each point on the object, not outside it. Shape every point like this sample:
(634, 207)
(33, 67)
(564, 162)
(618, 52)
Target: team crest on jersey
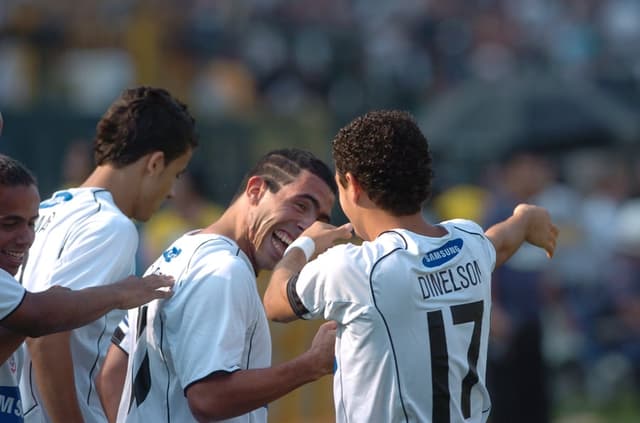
(439, 256)
(58, 198)
(171, 253)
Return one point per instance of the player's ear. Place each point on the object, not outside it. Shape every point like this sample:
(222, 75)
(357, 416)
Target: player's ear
(353, 187)
(155, 163)
(256, 188)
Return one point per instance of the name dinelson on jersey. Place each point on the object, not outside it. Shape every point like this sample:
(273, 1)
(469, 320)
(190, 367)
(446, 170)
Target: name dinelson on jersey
(435, 284)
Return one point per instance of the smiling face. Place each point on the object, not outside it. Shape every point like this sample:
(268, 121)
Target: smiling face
(276, 219)
(18, 214)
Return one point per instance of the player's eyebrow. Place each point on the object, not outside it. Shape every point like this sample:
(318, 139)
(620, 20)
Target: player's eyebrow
(322, 216)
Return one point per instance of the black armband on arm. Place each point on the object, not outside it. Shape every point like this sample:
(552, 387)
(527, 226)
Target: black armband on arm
(294, 300)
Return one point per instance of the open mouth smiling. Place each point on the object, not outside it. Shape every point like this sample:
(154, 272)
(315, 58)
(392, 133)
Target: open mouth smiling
(281, 240)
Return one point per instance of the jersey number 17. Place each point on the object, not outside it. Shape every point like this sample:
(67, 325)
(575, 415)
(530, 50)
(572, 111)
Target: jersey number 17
(462, 313)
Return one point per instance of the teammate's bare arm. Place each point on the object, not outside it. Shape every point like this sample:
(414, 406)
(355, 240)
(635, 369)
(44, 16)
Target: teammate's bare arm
(58, 309)
(110, 380)
(528, 223)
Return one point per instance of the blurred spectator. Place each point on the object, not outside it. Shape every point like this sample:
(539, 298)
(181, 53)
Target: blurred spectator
(400, 52)
(77, 163)
(516, 369)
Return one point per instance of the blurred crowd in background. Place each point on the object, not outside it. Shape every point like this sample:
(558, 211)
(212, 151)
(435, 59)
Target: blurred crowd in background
(230, 57)
(521, 100)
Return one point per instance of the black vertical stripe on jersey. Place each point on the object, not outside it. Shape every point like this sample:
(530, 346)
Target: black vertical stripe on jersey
(142, 322)
(393, 350)
(166, 369)
(439, 367)
(464, 313)
(253, 333)
(95, 362)
(33, 394)
(142, 381)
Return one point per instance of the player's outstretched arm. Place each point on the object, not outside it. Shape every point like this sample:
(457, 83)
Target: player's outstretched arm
(225, 395)
(320, 236)
(58, 309)
(527, 223)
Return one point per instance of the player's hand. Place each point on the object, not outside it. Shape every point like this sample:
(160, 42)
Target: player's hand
(540, 230)
(137, 291)
(325, 235)
(323, 348)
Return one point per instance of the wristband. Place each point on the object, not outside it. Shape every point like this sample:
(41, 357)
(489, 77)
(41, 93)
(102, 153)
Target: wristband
(304, 243)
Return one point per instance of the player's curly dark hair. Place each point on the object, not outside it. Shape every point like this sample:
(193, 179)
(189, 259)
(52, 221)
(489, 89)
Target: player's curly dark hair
(281, 167)
(143, 120)
(389, 156)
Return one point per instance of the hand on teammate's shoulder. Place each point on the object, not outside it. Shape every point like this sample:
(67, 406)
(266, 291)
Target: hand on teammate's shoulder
(138, 291)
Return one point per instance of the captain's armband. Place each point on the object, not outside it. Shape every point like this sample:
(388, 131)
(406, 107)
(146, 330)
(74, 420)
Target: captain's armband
(294, 299)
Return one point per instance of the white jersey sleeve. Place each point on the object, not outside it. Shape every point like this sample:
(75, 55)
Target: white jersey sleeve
(12, 294)
(321, 294)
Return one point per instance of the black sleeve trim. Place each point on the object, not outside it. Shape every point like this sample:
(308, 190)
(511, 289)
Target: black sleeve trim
(294, 300)
(118, 336)
(24, 295)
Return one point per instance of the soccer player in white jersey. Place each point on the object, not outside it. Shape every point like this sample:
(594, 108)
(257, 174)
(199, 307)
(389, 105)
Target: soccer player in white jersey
(412, 302)
(25, 313)
(206, 354)
(85, 237)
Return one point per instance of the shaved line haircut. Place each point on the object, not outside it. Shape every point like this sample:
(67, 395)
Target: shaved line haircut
(281, 167)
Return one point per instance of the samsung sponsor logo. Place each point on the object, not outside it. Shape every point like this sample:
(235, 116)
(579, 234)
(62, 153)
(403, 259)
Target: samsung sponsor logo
(10, 405)
(443, 254)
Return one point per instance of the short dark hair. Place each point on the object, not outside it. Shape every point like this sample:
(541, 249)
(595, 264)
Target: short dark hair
(13, 173)
(389, 156)
(281, 167)
(140, 121)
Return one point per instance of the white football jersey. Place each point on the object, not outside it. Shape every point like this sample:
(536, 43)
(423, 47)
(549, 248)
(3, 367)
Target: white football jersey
(214, 322)
(82, 240)
(413, 323)
(10, 404)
